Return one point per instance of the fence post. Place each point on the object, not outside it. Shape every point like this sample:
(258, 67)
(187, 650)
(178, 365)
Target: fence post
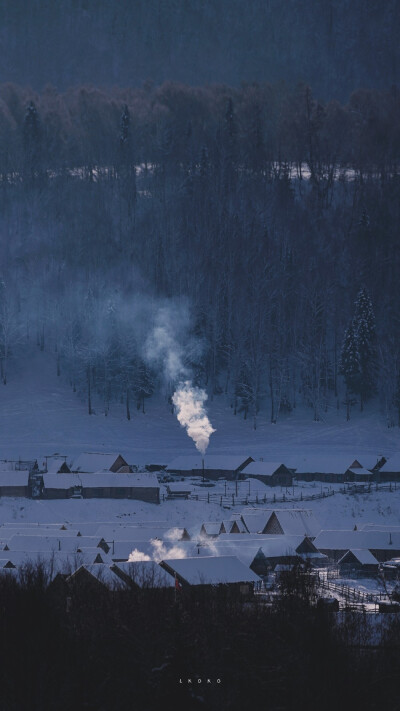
(233, 499)
(208, 497)
(220, 503)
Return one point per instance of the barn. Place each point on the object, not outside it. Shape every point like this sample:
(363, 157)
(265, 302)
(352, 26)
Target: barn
(270, 473)
(215, 466)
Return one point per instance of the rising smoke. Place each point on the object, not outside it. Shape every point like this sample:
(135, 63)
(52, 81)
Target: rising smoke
(163, 347)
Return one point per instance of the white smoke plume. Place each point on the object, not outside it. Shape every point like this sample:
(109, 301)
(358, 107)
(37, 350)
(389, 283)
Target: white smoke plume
(137, 555)
(174, 534)
(189, 402)
(163, 347)
(163, 553)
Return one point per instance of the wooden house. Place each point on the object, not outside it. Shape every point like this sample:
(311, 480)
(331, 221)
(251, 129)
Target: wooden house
(215, 466)
(361, 562)
(270, 473)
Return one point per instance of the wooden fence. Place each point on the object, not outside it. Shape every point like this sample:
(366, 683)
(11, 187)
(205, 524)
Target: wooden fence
(230, 500)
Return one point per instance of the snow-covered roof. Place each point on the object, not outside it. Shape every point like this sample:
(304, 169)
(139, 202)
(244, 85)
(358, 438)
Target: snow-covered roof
(145, 574)
(222, 462)
(349, 540)
(369, 527)
(321, 464)
(104, 573)
(210, 570)
(95, 461)
(392, 464)
(298, 521)
(179, 487)
(49, 543)
(360, 471)
(211, 528)
(54, 464)
(255, 522)
(138, 533)
(6, 466)
(365, 557)
(8, 533)
(13, 478)
(262, 468)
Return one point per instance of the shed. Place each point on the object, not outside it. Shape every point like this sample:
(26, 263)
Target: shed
(270, 473)
(179, 490)
(215, 466)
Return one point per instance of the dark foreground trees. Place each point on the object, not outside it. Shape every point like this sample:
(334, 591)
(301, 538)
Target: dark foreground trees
(102, 650)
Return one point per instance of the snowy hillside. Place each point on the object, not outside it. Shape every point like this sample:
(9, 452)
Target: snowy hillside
(40, 415)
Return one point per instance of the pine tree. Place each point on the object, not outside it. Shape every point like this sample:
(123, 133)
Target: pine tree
(32, 142)
(365, 334)
(349, 366)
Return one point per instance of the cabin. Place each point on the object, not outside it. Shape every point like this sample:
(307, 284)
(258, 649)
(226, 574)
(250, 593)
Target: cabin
(212, 571)
(91, 462)
(270, 473)
(336, 468)
(359, 562)
(14, 483)
(215, 466)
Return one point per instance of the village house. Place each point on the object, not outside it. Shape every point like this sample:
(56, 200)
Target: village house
(270, 473)
(390, 471)
(215, 466)
(359, 562)
(281, 521)
(14, 483)
(210, 571)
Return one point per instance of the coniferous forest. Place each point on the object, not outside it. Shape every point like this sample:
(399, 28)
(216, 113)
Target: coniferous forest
(263, 221)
